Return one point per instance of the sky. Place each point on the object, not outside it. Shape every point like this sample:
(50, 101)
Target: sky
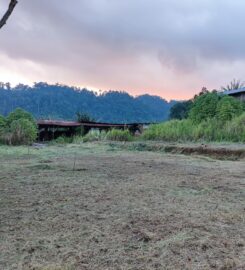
(170, 48)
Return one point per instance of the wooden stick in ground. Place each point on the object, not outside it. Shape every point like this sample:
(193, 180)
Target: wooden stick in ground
(74, 163)
(9, 11)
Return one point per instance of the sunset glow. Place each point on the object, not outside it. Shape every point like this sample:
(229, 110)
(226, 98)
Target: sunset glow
(166, 48)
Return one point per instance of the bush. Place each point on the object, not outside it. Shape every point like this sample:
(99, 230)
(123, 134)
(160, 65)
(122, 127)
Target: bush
(119, 135)
(19, 127)
(180, 110)
(18, 114)
(21, 131)
(204, 107)
(2, 124)
(229, 107)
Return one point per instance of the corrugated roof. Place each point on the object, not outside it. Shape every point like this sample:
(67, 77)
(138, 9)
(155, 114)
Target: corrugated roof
(234, 91)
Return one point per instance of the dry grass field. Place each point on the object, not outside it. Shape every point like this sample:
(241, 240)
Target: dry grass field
(93, 206)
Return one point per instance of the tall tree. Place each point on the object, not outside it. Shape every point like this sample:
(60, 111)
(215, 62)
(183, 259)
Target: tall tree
(9, 11)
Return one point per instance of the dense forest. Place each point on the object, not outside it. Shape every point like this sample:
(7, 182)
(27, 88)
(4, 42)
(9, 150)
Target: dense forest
(63, 102)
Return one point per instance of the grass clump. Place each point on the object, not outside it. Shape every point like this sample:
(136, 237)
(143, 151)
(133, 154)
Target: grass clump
(94, 135)
(119, 135)
(61, 140)
(111, 135)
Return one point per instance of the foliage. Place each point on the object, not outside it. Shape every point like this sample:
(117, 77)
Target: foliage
(235, 84)
(22, 131)
(119, 135)
(180, 110)
(228, 107)
(18, 114)
(204, 107)
(62, 102)
(2, 123)
(19, 127)
(84, 118)
(208, 130)
(169, 131)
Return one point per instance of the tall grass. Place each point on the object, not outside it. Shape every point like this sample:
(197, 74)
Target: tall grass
(209, 130)
(111, 135)
(119, 135)
(94, 135)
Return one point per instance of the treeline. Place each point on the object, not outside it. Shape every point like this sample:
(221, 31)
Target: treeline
(63, 102)
(209, 116)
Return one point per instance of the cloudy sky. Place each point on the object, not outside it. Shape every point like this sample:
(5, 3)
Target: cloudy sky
(170, 48)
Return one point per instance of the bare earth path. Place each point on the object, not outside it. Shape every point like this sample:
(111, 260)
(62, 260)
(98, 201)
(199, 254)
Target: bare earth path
(119, 210)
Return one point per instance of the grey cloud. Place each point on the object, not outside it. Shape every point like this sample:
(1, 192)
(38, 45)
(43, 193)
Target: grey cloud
(88, 34)
(180, 29)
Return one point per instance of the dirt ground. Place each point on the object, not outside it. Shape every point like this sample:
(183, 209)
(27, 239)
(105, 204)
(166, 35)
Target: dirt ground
(93, 206)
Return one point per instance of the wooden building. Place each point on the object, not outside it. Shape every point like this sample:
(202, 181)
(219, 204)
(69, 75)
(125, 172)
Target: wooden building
(52, 129)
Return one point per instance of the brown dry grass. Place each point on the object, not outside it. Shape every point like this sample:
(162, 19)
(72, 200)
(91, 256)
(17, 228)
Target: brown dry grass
(119, 210)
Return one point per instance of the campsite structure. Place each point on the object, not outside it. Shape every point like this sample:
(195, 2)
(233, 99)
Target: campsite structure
(52, 129)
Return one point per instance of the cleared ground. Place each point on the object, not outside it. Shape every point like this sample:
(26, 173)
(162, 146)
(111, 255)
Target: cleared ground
(93, 206)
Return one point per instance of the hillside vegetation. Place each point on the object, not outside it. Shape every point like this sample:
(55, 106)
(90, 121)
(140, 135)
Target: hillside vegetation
(211, 116)
(62, 102)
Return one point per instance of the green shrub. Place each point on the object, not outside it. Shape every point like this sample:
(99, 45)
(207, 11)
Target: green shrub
(18, 114)
(119, 135)
(180, 110)
(2, 124)
(229, 107)
(21, 131)
(204, 107)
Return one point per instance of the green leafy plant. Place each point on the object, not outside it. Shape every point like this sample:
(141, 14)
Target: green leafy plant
(229, 107)
(180, 110)
(22, 131)
(18, 114)
(204, 107)
(2, 124)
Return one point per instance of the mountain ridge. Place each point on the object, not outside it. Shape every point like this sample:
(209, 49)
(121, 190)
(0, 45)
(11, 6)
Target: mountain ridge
(55, 101)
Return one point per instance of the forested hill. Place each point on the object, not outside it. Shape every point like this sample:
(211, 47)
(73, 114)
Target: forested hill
(62, 102)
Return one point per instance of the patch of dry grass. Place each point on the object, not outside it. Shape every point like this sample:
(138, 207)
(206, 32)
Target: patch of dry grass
(119, 210)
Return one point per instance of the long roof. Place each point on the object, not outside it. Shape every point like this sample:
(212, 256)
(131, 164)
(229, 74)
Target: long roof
(234, 91)
(77, 124)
